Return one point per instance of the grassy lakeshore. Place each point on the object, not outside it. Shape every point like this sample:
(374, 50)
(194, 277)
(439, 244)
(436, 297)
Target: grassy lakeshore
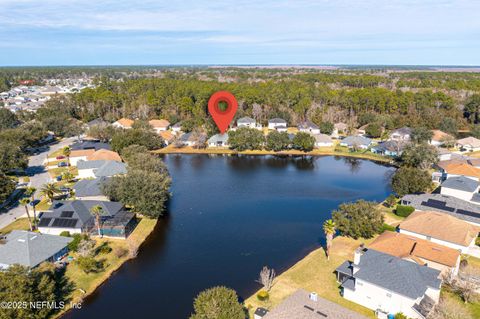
(324, 151)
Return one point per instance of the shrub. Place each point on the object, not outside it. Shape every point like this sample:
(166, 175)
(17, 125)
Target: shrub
(404, 211)
(65, 233)
(217, 302)
(263, 295)
(400, 315)
(120, 252)
(89, 264)
(360, 219)
(391, 200)
(388, 227)
(103, 249)
(73, 245)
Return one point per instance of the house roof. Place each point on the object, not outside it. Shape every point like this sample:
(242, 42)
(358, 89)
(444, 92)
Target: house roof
(299, 306)
(356, 140)
(440, 226)
(29, 248)
(469, 141)
(166, 135)
(81, 153)
(103, 168)
(392, 146)
(461, 183)
(462, 169)
(402, 131)
(439, 136)
(159, 123)
(245, 120)
(104, 155)
(125, 122)
(85, 145)
(393, 273)
(277, 120)
(322, 138)
(457, 160)
(308, 125)
(218, 138)
(405, 246)
(89, 187)
(177, 125)
(76, 213)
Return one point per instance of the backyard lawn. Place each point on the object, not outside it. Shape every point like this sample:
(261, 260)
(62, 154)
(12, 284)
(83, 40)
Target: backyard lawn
(18, 224)
(314, 273)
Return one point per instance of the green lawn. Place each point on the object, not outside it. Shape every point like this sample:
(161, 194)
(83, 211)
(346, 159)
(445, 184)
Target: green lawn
(314, 273)
(59, 170)
(18, 224)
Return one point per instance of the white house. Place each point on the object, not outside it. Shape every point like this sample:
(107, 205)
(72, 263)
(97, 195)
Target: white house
(100, 168)
(389, 284)
(123, 123)
(439, 138)
(468, 144)
(159, 125)
(323, 140)
(356, 142)
(442, 229)
(218, 140)
(460, 187)
(309, 127)
(277, 124)
(401, 134)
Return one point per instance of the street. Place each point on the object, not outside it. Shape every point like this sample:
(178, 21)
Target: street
(39, 177)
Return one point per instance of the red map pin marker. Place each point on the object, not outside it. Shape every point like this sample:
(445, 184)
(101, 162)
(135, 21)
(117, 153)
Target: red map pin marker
(222, 117)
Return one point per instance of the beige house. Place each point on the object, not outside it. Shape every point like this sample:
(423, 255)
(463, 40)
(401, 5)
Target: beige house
(123, 123)
(159, 125)
(469, 144)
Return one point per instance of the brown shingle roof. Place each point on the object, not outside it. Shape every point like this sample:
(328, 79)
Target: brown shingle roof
(405, 246)
(462, 169)
(79, 153)
(159, 123)
(440, 226)
(166, 135)
(469, 141)
(104, 155)
(440, 135)
(125, 122)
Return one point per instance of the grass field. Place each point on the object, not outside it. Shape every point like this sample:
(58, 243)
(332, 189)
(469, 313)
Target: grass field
(18, 224)
(314, 273)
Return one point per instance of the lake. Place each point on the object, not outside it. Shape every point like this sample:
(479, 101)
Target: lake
(228, 217)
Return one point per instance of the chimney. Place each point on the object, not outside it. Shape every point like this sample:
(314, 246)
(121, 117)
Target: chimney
(356, 258)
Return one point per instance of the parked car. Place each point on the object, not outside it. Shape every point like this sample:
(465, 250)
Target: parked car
(62, 164)
(60, 157)
(58, 178)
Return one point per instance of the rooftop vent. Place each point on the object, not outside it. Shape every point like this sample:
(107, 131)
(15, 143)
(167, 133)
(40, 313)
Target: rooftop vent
(313, 296)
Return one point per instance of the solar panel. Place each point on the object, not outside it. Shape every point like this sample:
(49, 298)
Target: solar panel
(64, 222)
(44, 222)
(467, 213)
(67, 214)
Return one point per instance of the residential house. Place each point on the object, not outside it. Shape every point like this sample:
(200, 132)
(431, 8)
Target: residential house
(309, 127)
(305, 305)
(218, 140)
(94, 169)
(79, 155)
(461, 169)
(439, 138)
(90, 145)
(247, 122)
(389, 284)
(97, 122)
(76, 217)
(339, 128)
(104, 155)
(390, 148)
(401, 134)
(420, 251)
(123, 123)
(159, 125)
(468, 144)
(442, 229)
(30, 249)
(190, 139)
(356, 142)
(461, 187)
(463, 210)
(90, 189)
(167, 136)
(277, 124)
(323, 140)
(177, 127)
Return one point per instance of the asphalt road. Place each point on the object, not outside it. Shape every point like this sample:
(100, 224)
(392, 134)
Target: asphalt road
(39, 177)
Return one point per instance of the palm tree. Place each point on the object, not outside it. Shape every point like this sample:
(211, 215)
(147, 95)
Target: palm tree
(68, 176)
(66, 152)
(329, 230)
(31, 192)
(24, 202)
(49, 190)
(97, 211)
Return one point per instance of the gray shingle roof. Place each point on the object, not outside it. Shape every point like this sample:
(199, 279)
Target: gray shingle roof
(29, 248)
(308, 125)
(299, 306)
(356, 140)
(245, 120)
(322, 138)
(103, 168)
(444, 204)
(461, 183)
(395, 274)
(277, 120)
(89, 187)
(85, 145)
(402, 131)
(218, 138)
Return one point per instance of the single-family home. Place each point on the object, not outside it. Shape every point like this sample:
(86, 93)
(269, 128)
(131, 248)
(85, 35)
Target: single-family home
(97, 122)
(468, 144)
(388, 284)
(30, 249)
(190, 139)
(177, 127)
(159, 125)
(460, 187)
(356, 142)
(461, 209)
(305, 305)
(90, 145)
(420, 251)
(390, 148)
(246, 122)
(90, 189)
(167, 136)
(104, 155)
(76, 217)
(461, 169)
(123, 123)
(442, 229)
(401, 134)
(439, 138)
(309, 127)
(339, 128)
(79, 155)
(218, 140)
(323, 140)
(277, 124)
(94, 169)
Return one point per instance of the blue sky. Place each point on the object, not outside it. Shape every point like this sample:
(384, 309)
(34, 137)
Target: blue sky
(99, 32)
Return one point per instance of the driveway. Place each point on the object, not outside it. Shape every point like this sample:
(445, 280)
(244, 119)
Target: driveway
(39, 177)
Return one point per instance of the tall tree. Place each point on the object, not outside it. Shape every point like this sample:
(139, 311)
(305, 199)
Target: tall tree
(30, 191)
(360, 219)
(8, 119)
(97, 212)
(25, 202)
(217, 303)
(66, 151)
(329, 230)
(49, 190)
